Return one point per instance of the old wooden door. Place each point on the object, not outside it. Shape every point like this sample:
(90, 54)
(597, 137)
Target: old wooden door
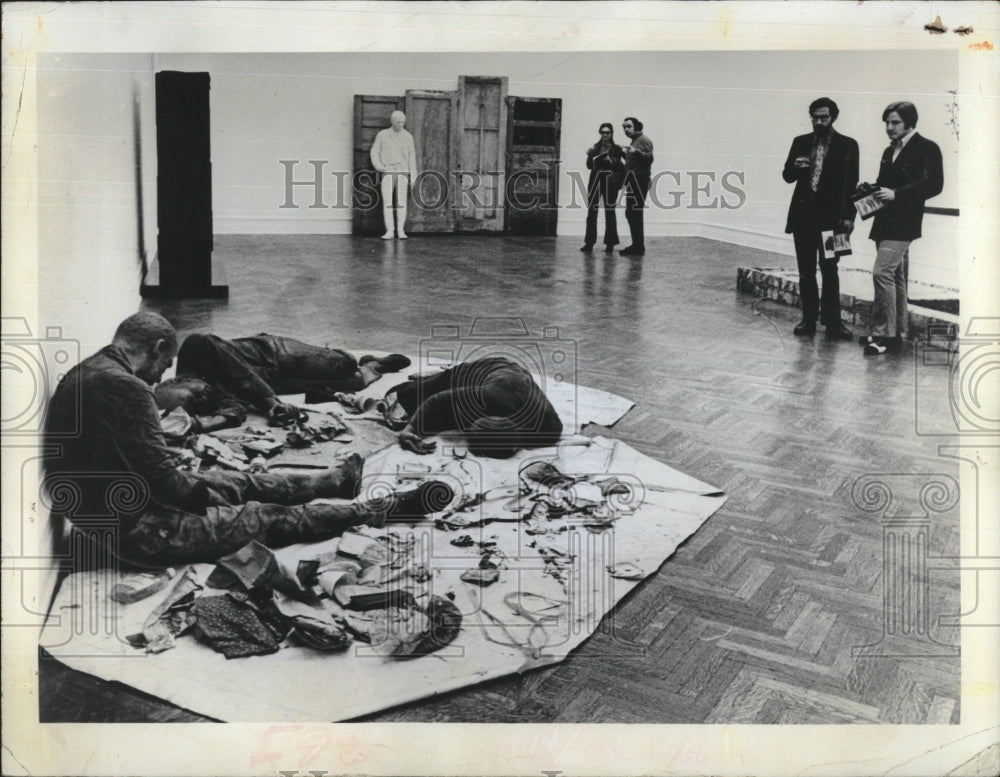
(534, 125)
(429, 117)
(371, 114)
(481, 137)
(461, 142)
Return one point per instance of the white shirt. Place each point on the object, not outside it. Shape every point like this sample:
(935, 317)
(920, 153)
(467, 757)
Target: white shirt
(897, 147)
(394, 152)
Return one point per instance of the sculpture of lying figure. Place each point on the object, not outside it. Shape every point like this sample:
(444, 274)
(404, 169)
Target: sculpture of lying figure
(213, 372)
(494, 402)
(112, 457)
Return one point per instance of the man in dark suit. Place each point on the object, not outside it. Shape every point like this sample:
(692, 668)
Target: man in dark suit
(910, 173)
(824, 168)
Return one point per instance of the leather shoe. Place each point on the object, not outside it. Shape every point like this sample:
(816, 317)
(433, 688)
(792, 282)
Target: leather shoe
(884, 345)
(394, 362)
(804, 329)
(839, 332)
(587, 247)
(609, 248)
(633, 251)
(431, 496)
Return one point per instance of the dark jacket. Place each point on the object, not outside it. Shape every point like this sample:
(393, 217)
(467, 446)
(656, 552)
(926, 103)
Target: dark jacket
(256, 369)
(493, 401)
(605, 163)
(104, 423)
(915, 176)
(831, 202)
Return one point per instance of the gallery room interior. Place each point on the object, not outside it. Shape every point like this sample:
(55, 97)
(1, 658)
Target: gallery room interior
(818, 587)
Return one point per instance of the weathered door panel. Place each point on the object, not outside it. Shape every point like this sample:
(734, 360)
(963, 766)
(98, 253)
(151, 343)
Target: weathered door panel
(429, 117)
(482, 140)
(533, 133)
(371, 114)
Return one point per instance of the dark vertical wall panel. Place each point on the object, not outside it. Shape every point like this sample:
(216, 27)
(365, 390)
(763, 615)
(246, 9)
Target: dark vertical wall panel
(184, 183)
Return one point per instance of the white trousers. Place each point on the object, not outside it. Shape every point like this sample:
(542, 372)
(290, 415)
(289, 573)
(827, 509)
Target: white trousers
(400, 182)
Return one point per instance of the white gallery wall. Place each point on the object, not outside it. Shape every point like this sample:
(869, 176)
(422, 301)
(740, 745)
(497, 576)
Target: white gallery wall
(96, 190)
(91, 130)
(708, 113)
(718, 115)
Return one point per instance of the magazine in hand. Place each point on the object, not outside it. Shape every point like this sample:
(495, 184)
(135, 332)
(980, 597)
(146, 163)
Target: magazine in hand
(865, 202)
(836, 244)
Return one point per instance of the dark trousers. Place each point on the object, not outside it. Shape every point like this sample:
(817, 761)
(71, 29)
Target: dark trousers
(636, 189)
(255, 368)
(602, 189)
(267, 508)
(302, 366)
(809, 252)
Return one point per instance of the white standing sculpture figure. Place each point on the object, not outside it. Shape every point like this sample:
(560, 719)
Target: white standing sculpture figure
(395, 157)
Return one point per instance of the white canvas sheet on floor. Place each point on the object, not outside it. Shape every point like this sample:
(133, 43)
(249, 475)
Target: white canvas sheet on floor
(576, 405)
(87, 632)
(567, 564)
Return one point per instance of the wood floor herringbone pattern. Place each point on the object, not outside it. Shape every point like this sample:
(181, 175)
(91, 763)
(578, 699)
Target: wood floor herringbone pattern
(764, 615)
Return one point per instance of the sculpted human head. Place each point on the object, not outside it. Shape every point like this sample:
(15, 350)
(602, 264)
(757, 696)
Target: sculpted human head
(149, 342)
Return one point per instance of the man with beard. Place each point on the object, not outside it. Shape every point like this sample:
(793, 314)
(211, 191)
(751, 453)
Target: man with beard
(823, 165)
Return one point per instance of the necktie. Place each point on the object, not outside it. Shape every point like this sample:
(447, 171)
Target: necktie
(818, 164)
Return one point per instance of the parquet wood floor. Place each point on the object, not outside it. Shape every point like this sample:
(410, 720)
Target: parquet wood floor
(759, 616)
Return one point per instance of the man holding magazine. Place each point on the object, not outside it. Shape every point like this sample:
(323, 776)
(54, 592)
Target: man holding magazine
(911, 172)
(823, 165)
